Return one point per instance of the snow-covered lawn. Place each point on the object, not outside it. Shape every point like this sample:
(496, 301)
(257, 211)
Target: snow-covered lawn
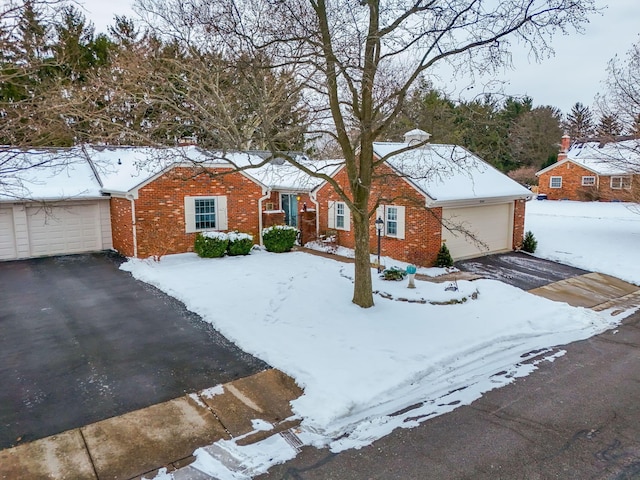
(598, 236)
(359, 366)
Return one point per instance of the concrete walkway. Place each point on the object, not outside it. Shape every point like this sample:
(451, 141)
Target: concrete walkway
(163, 435)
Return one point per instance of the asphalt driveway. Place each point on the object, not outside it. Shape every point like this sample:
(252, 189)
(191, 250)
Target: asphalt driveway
(81, 341)
(519, 269)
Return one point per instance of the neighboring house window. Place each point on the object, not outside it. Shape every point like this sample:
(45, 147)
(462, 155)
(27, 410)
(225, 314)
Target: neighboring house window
(620, 182)
(205, 213)
(393, 216)
(339, 217)
(556, 182)
(588, 181)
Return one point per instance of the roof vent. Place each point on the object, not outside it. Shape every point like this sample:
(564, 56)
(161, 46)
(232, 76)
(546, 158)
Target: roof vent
(416, 136)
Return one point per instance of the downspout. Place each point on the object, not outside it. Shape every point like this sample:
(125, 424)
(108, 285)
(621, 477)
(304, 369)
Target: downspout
(134, 231)
(260, 200)
(312, 197)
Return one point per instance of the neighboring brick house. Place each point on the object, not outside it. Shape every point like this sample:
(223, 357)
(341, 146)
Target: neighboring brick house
(429, 195)
(591, 170)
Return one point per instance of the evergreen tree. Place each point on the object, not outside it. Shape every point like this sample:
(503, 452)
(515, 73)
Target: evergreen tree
(609, 126)
(579, 122)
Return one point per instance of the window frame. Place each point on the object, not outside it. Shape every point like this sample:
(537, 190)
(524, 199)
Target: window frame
(551, 179)
(340, 223)
(592, 179)
(621, 179)
(391, 222)
(220, 205)
(197, 214)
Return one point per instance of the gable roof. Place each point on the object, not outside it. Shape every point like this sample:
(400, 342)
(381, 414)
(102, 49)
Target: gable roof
(612, 158)
(450, 174)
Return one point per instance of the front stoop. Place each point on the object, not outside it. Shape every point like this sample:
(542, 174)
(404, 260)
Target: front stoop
(163, 435)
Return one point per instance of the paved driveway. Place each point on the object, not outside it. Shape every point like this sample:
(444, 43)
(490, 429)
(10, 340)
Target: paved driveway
(519, 269)
(81, 341)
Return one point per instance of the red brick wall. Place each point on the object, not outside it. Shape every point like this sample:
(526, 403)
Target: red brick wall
(608, 194)
(422, 226)
(272, 218)
(307, 225)
(160, 222)
(121, 226)
(518, 223)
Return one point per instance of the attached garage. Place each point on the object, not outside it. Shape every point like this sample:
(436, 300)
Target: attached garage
(491, 227)
(55, 228)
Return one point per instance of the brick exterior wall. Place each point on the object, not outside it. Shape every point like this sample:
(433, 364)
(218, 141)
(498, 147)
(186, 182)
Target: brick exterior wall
(272, 218)
(160, 220)
(572, 188)
(518, 223)
(423, 231)
(121, 226)
(307, 225)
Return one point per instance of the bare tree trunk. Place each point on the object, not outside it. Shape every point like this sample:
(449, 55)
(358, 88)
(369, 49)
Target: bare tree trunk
(362, 289)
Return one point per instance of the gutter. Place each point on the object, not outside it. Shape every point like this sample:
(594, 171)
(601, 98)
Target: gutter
(472, 202)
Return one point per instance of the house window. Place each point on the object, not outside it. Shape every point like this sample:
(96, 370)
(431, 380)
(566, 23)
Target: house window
(340, 215)
(588, 181)
(618, 183)
(205, 213)
(555, 182)
(392, 221)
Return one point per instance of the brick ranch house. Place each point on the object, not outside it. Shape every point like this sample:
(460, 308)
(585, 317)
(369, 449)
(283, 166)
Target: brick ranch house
(590, 170)
(141, 201)
(433, 194)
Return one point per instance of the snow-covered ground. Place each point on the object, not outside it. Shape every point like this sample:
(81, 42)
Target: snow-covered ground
(598, 236)
(359, 367)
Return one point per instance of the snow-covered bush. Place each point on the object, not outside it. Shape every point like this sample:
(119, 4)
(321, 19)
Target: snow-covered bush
(239, 243)
(211, 244)
(393, 273)
(279, 238)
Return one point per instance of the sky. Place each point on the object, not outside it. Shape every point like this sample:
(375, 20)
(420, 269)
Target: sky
(574, 74)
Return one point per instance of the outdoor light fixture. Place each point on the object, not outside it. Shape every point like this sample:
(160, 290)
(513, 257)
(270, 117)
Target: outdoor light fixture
(379, 225)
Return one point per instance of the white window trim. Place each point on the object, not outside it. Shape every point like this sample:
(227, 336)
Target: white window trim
(382, 213)
(621, 178)
(585, 184)
(190, 213)
(333, 214)
(551, 182)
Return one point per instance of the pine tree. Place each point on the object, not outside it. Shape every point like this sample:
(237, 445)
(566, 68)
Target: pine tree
(609, 126)
(579, 122)
(444, 258)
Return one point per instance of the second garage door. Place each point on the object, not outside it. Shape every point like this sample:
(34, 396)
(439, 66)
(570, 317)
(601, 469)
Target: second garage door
(492, 225)
(7, 235)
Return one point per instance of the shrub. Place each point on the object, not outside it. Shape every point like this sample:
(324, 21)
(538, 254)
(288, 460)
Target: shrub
(393, 273)
(529, 244)
(239, 243)
(211, 244)
(444, 258)
(279, 238)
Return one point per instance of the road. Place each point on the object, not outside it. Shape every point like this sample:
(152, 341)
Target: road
(575, 418)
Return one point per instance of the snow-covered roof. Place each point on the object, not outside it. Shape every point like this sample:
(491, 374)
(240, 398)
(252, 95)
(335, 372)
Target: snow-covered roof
(46, 174)
(285, 176)
(449, 173)
(612, 158)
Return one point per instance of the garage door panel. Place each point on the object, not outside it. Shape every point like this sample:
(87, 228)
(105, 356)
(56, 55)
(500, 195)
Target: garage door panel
(491, 225)
(7, 235)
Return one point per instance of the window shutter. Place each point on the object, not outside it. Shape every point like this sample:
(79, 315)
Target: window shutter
(189, 214)
(332, 215)
(380, 213)
(400, 234)
(347, 218)
(222, 222)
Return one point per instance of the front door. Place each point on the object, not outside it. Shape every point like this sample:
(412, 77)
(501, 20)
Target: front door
(289, 203)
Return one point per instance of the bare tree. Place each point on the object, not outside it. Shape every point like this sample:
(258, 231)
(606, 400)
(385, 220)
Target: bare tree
(352, 64)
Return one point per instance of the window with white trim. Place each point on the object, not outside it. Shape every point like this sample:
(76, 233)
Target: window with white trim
(555, 182)
(339, 217)
(394, 221)
(391, 222)
(205, 213)
(588, 181)
(620, 182)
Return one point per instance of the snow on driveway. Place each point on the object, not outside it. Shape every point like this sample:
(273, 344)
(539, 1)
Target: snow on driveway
(359, 366)
(599, 236)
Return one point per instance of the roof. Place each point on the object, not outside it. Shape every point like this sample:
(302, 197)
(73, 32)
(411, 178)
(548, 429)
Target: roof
(613, 158)
(450, 173)
(89, 172)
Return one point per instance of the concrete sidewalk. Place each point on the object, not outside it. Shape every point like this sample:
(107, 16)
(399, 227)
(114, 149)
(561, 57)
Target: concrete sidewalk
(163, 435)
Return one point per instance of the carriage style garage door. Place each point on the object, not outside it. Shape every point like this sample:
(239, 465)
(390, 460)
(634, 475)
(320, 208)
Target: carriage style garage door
(36, 230)
(492, 224)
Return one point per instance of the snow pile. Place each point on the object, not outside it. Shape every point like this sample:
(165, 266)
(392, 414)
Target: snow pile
(598, 236)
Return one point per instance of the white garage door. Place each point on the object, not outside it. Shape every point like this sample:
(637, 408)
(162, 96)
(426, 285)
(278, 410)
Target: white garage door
(63, 229)
(7, 235)
(491, 224)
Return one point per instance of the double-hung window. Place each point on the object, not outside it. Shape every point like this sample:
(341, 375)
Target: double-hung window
(391, 222)
(205, 215)
(340, 215)
(618, 183)
(588, 181)
(394, 221)
(555, 182)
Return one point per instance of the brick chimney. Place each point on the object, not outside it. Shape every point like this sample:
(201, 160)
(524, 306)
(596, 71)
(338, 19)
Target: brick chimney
(565, 143)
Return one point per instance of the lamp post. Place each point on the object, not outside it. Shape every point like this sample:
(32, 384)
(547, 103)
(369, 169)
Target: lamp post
(379, 225)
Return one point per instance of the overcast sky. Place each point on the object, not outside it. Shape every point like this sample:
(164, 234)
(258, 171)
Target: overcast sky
(574, 74)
